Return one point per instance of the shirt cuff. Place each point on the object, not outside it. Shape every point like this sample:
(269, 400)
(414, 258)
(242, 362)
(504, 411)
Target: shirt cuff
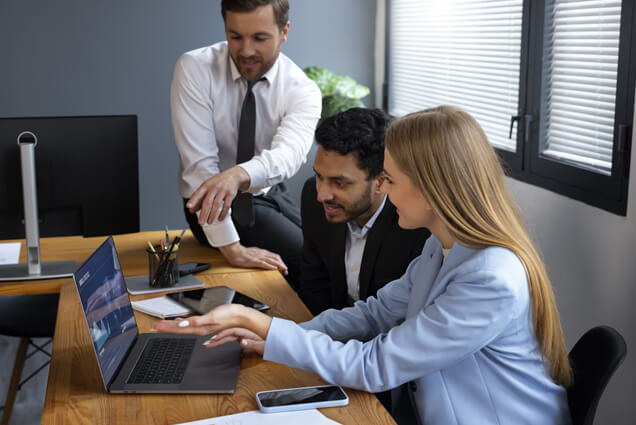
(221, 233)
(257, 173)
(279, 331)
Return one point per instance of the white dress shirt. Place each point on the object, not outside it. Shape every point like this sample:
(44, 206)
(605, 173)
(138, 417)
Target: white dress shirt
(355, 242)
(206, 97)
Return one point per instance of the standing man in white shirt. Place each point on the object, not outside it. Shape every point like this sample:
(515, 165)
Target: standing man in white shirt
(212, 91)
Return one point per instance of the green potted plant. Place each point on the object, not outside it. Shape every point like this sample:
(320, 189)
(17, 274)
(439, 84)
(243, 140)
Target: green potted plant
(339, 93)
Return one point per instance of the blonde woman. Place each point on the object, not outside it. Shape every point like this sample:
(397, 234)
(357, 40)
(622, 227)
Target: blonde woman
(472, 325)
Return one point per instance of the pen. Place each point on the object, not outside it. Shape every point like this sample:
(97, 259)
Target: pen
(164, 267)
(152, 248)
(178, 239)
(175, 242)
(167, 236)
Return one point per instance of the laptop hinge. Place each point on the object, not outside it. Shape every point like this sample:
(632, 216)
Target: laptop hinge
(123, 361)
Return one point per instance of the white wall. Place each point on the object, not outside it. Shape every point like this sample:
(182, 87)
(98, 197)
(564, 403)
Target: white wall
(589, 255)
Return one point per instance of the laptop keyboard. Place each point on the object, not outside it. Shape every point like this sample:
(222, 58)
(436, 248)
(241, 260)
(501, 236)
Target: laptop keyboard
(163, 361)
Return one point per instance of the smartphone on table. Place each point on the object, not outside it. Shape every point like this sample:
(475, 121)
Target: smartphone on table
(191, 268)
(301, 398)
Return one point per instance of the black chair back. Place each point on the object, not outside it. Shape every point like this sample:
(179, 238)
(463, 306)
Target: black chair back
(594, 359)
(31, 316)
(26, 317)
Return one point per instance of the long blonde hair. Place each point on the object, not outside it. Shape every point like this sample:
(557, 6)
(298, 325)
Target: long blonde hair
(447, 156)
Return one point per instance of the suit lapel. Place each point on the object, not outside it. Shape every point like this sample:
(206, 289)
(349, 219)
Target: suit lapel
(372, 247)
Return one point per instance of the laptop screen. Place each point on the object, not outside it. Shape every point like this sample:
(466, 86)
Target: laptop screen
(107, 308)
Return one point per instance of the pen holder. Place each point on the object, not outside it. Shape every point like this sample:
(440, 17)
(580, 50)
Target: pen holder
(163, 269)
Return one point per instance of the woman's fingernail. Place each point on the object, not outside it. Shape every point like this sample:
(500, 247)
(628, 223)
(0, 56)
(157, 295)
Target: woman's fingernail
(209, 340)
(183, 324)
(244, 343)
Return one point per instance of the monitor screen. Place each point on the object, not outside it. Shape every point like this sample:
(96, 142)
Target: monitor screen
(109, 315)
(87, 175)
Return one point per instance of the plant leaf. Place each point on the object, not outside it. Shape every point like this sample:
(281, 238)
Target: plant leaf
(339, 93)
(348, 87)
(335, 103)
(324, 79)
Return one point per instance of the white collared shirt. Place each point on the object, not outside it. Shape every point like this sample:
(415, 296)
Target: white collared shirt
(355, 242)
(206, 97)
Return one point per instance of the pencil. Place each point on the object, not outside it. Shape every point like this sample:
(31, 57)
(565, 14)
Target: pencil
(164, 268)
(152, 248)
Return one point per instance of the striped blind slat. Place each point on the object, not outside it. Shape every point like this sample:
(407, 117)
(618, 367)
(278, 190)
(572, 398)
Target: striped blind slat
(580, 63)
(459, 52)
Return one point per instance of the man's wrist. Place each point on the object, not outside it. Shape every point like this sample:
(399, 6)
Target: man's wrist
(243, 178)
(230, 250)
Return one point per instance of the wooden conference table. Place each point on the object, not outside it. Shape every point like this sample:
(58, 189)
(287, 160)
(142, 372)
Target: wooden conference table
(75, 394)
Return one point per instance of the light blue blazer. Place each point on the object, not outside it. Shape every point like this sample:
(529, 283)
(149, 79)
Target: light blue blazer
(461, 331)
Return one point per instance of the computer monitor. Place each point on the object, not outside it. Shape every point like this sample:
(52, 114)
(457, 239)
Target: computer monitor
(87, 175)
(81, 180)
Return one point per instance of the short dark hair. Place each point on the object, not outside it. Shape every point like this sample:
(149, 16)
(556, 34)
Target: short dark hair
(281, 8)
(359, 131)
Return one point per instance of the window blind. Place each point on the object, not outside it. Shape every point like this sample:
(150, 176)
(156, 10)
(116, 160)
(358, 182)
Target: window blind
(580, 62)
(458, 52)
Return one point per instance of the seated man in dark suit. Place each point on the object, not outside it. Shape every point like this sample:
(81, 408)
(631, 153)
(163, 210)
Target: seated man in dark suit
(353, 245)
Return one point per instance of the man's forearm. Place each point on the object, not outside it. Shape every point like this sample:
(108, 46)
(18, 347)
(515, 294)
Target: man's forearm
(230, 251)
(241, 177)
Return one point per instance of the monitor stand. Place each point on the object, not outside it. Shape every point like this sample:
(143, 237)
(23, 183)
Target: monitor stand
(33, 269)
(48, 270)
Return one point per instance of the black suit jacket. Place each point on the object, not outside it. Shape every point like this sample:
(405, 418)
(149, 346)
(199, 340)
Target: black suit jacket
(387, 252)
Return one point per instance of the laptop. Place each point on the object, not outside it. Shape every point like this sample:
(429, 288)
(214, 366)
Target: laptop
(130, 362)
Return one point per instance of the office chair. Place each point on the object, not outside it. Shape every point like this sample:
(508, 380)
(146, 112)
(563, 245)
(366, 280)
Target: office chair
(594, 359)
(26, 317)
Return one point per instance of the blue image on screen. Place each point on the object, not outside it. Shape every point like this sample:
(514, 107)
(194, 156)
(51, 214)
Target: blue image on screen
(109, 315)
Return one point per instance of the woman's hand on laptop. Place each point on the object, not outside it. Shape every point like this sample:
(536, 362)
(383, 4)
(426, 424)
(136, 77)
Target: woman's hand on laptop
(247, 339)
(230, 322)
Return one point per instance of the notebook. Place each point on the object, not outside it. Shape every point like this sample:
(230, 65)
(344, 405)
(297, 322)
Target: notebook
(162, 307)
(130, 362)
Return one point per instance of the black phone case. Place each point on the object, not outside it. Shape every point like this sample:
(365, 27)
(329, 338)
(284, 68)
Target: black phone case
(191, 268)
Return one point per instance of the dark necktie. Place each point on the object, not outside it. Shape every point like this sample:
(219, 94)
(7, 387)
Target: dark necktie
(242, 206)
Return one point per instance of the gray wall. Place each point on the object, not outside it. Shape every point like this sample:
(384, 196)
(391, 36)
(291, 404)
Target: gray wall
(89, 57)
(589, 254)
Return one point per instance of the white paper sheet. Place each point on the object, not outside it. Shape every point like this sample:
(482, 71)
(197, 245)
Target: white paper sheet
(256, 417)
(10, 252)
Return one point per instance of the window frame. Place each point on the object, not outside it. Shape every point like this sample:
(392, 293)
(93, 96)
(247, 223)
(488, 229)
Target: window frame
(526, 164)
